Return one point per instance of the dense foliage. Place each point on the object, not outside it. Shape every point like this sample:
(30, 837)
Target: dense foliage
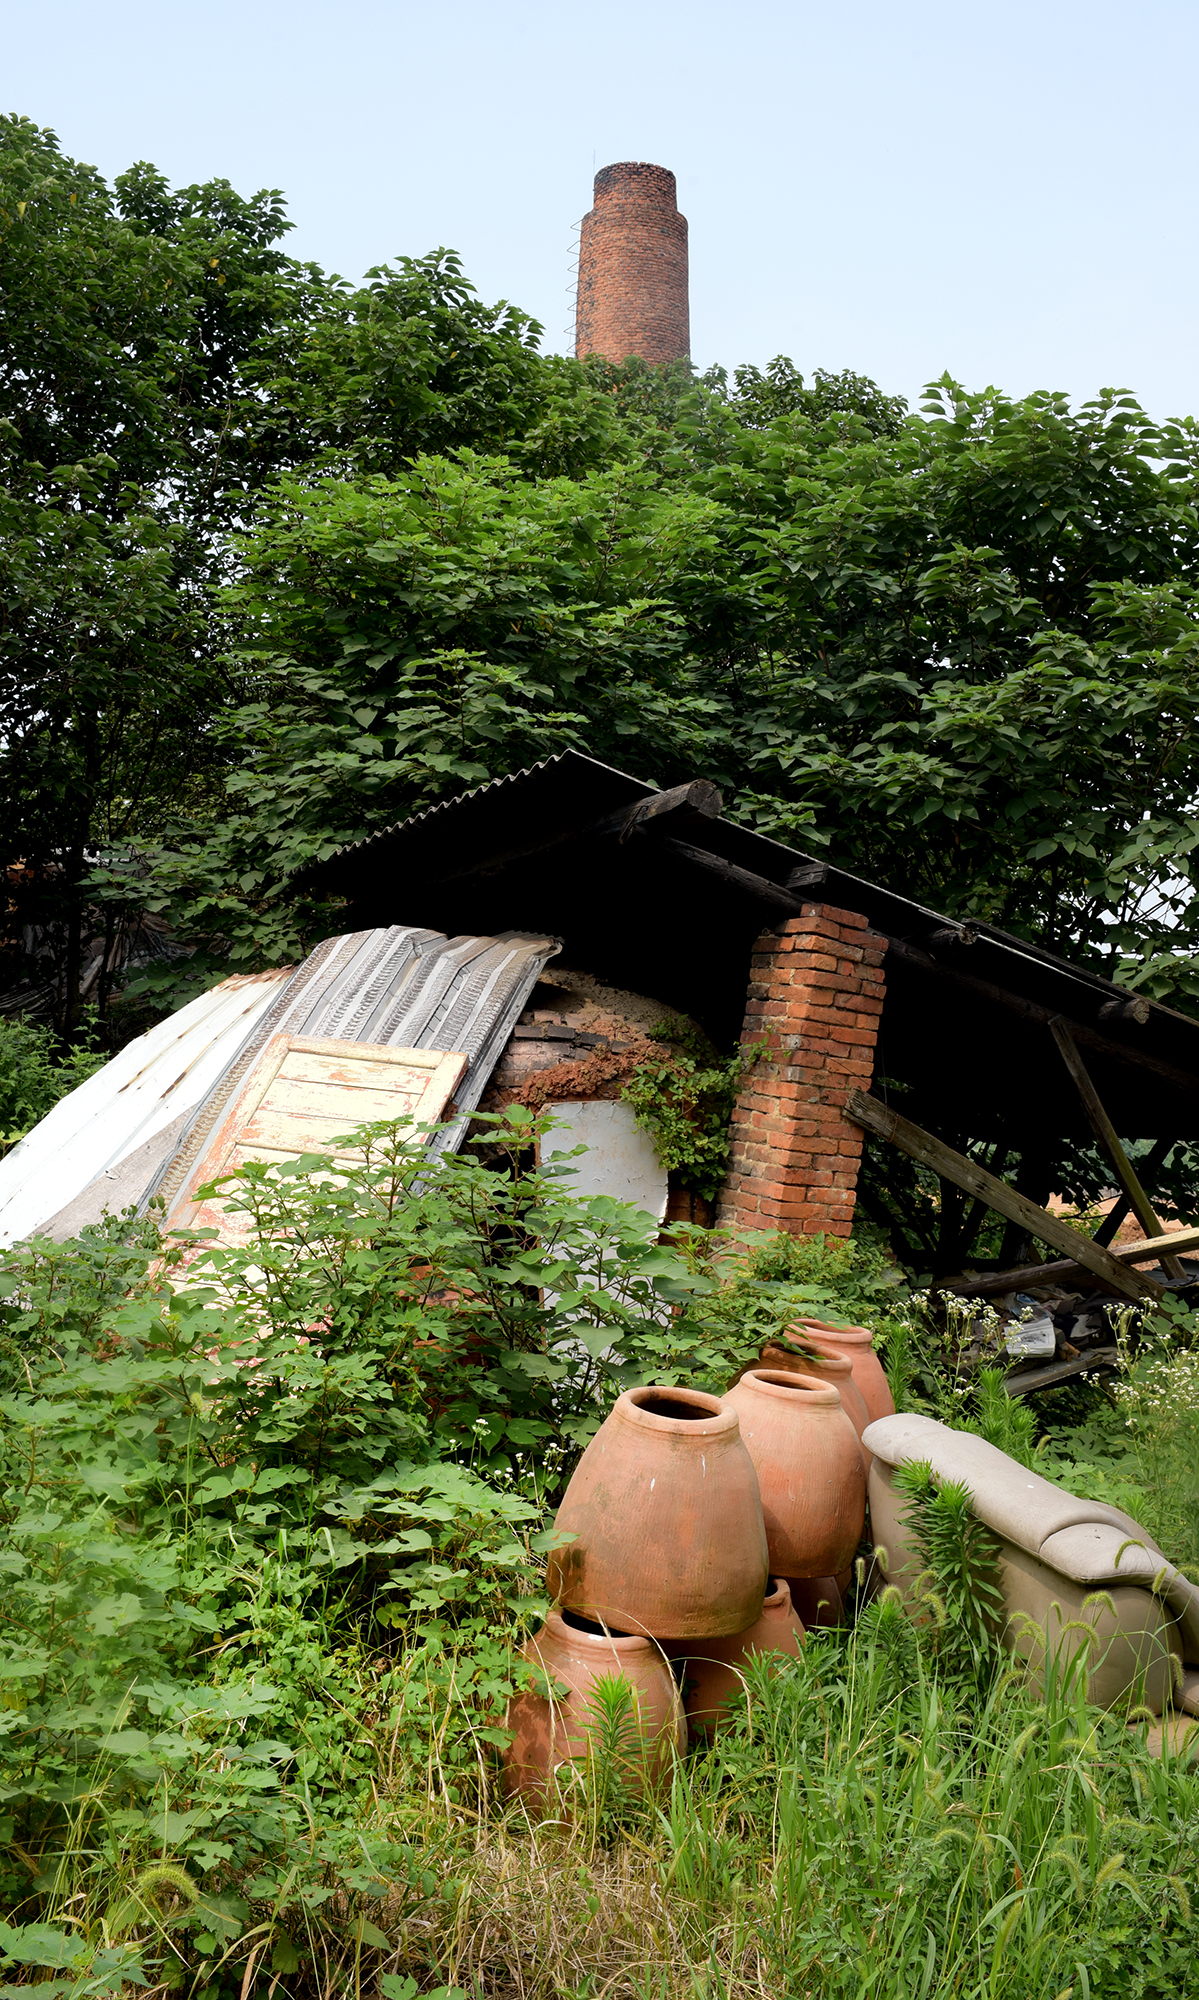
(298, 557)
(35, 1071)
(272, 1519)
(959, 657)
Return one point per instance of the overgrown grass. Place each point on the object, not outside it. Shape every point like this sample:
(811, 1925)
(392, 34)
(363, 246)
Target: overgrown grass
(269, 1540)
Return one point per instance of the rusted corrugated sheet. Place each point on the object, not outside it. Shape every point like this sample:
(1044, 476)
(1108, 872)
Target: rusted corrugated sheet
(100, 1145)
(402, 987)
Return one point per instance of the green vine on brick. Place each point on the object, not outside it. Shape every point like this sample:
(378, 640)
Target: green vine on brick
(685, 1100)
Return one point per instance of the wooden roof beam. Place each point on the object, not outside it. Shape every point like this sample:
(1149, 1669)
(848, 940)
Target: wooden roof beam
(1105, 1132)
(1007, 1201)
(1030, 1010)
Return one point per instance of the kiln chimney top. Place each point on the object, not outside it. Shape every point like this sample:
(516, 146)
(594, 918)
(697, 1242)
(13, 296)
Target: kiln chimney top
(633, 267)
(638, 178)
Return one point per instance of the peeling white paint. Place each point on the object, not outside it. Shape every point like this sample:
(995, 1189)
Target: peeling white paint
(620, 1159)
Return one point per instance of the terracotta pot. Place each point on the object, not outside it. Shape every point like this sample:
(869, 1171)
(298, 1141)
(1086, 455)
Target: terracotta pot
(665, 1507)
(550, 1733)
(809, 1466)
(831, 1368)
(855, 1344)
(711, 1667)
(817, 1600)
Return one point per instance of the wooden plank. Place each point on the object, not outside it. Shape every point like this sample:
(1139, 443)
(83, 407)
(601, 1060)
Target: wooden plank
(342, 1100)
(1024, 1383)
(1156, 1156)
(282, 1130)
(988, 1282)
(1105, 1132)
(278, 1114)
(736, 878)
(679, 802)
(1005, 1200)
(1148, 1251)
(355, 1072)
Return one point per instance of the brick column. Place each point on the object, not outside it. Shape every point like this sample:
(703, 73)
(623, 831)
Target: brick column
(815, 996)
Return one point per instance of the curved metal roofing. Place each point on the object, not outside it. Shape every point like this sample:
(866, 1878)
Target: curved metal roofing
(131, 1111)
(403, 987)
(136, 1128)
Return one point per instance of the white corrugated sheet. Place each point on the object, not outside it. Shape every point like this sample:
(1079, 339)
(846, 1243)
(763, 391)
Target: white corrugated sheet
(129, 1107)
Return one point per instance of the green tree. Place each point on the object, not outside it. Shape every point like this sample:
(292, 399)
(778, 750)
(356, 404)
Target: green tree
(957, 654)
(161, 361)
(124, 453)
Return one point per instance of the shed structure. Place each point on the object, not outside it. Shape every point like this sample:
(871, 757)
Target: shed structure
(847, 982)
(619, 903)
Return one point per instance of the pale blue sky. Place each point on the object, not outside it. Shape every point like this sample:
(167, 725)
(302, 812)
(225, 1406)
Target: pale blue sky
(1007, 191)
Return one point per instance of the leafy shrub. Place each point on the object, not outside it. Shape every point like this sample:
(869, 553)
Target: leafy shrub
(35, 1071)
(258, 1504)
(271, 1519)
(960, 1583)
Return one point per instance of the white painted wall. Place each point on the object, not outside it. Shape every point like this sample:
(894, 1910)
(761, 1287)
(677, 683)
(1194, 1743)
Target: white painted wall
(620, 1160)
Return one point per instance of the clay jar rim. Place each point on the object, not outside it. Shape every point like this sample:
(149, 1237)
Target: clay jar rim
(711, 1418)
(856, 1336)
(785, 1382)
(602, 1642)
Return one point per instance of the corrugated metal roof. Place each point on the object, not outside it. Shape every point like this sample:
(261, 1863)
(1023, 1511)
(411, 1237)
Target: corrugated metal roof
(566, 791)
(127, 1111)
(402, 987)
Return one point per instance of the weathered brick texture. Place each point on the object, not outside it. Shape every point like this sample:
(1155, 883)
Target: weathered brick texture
(633, 267)
(815, 996)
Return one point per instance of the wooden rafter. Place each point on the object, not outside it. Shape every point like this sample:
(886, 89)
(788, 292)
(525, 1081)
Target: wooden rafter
(932, 1152)
(1101, 1125)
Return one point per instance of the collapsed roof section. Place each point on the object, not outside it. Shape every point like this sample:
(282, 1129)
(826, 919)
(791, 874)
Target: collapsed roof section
(397, 987)
(656, 892)
(138, 1128)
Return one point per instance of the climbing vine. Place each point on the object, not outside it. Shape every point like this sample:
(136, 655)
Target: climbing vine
(684, 1098)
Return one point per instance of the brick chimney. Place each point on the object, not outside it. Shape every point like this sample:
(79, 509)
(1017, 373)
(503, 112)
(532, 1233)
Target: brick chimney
(633, 268)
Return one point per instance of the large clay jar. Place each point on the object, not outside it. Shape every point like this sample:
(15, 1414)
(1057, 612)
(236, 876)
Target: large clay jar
(810, 1471)
(665, 1510)
(830, 1368)
(549, 1733)
(854, 1344)
(713, 1669)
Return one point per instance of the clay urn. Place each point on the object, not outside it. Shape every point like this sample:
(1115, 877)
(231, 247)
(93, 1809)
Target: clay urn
(712, 1669)
(667, 1519)
(810, 1471)
(817, 1600)
(854, 1344)
(553, 1731)
(825, 1367)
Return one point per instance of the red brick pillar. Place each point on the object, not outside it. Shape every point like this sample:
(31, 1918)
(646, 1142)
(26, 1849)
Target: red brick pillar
(815, 997)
